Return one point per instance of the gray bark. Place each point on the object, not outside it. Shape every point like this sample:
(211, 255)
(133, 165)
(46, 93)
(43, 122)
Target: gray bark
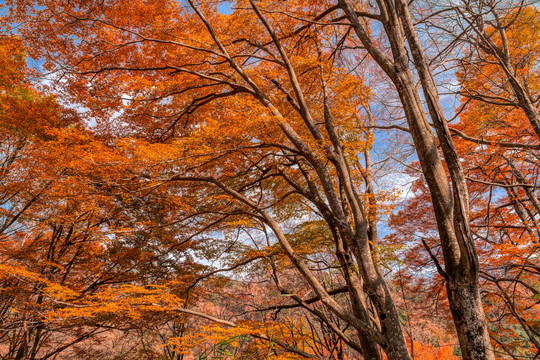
(450, 199)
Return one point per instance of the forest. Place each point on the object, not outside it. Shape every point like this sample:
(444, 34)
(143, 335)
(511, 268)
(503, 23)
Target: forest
(257, 179)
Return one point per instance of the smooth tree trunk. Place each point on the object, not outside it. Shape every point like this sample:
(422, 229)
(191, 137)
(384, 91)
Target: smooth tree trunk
(450, 199)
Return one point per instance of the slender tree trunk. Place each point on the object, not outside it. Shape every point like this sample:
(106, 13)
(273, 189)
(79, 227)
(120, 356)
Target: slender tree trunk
(359, 242)
(370, 350)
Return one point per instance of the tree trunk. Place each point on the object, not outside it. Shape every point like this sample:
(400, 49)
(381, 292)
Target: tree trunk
(450, 203)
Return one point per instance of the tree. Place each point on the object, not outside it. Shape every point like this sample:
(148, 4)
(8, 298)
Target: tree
(450, 199)
(216, 149)
(497, 144)
(55, 227)
(270, 86)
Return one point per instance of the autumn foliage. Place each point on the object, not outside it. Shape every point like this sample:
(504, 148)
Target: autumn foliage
(269, 180)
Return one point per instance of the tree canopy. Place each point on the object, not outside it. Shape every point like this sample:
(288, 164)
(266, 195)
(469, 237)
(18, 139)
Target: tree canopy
(269, 179)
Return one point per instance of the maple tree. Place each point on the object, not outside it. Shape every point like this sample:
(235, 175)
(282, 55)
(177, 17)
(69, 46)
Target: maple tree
(194, 182)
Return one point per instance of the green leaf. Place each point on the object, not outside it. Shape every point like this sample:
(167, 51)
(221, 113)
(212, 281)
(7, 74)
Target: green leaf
(224, 352)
